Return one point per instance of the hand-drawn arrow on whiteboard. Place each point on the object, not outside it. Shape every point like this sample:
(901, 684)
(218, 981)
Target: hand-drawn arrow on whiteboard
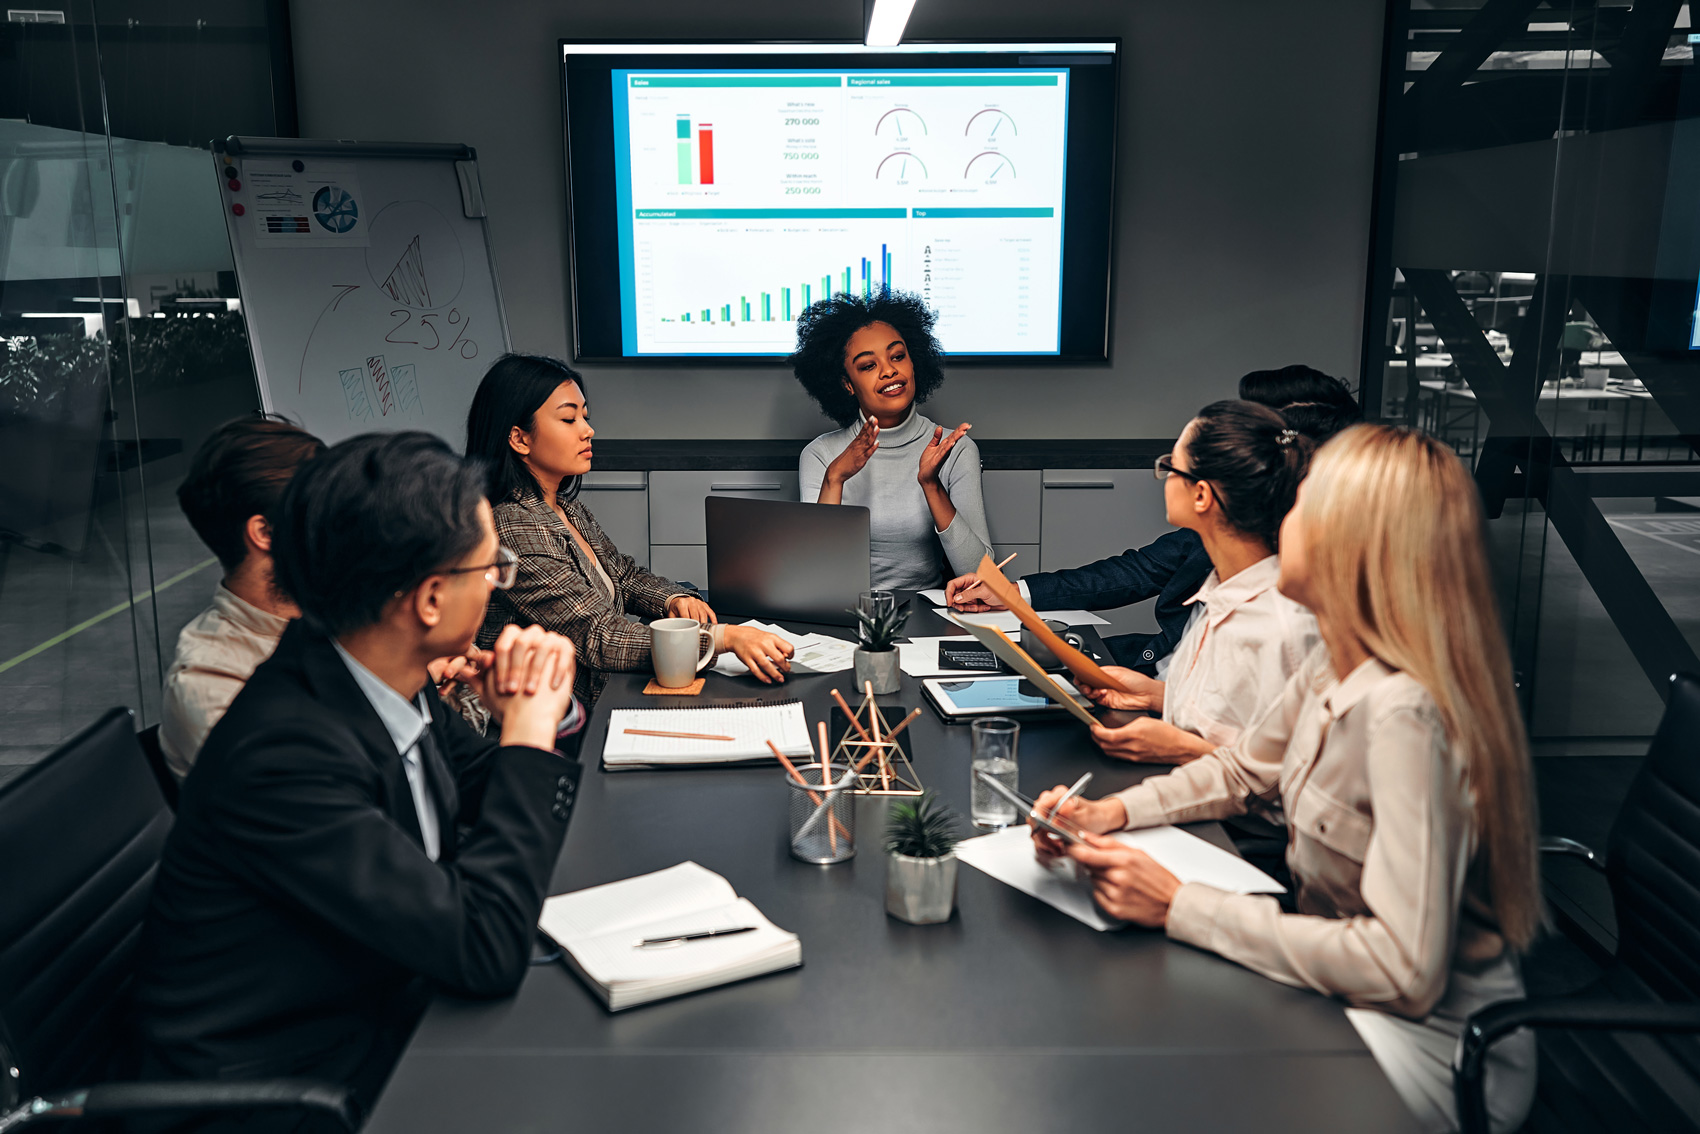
(343, 292)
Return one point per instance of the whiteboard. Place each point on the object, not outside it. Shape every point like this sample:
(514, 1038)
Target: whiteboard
(367, 281)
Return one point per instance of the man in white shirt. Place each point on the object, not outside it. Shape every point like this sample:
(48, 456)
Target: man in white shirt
(234, 483)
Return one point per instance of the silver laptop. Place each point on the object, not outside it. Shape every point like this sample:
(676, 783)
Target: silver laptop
(776, 559)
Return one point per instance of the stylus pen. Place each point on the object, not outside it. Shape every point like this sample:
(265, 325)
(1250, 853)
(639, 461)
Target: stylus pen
(1079, 786)
(698, 936)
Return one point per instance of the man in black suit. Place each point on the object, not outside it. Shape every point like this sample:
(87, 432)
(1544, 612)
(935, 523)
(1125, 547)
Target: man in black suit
(346, 843)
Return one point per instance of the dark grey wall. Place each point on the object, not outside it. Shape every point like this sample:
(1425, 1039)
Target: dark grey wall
(1243, 186)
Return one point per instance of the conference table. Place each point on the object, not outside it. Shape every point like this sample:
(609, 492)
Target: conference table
(1011, 1016)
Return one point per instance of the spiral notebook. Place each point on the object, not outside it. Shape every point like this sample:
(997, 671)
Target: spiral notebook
(747, 727)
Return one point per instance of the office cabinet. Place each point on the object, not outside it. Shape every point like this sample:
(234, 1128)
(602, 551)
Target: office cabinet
(1090, 514)
(678, 539)
(620, 503)
(681, 562)
(1012, 507)
(675, 498)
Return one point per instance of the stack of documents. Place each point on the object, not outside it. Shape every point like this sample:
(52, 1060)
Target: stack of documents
(816, 653)
(599, 931)
(1009, 857)
(741, 732)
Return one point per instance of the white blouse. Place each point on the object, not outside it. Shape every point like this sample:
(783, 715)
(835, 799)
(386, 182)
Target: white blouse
(1243, 643)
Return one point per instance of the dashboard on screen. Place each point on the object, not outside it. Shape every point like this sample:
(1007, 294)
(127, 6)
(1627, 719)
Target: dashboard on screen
(717, 190)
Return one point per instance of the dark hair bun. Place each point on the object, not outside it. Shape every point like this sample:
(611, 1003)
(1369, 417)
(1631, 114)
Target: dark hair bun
(1254, 461)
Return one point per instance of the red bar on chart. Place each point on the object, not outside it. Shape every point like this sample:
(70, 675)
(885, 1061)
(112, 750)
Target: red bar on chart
(705, 153)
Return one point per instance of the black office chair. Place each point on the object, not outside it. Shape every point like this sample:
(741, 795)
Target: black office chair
(148, 738)
(1621, 1055)
(80, 838)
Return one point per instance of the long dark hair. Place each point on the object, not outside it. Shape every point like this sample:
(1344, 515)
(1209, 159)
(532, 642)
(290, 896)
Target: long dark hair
(826, 326)
(1253, 460)
(513, 390)
(1316, 404)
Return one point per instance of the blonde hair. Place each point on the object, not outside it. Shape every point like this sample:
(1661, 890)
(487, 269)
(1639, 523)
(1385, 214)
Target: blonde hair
(1395, 548)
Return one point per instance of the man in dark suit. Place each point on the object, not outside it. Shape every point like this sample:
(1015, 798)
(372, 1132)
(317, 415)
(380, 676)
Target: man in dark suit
(346, 843)
(1172, 567)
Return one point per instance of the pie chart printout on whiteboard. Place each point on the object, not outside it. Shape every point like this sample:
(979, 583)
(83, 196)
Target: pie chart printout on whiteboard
(371, 298)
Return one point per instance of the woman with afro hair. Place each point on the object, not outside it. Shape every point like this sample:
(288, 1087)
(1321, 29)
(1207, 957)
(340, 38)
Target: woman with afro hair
(869, 362)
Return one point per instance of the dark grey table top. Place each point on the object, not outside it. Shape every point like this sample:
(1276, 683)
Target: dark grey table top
(1011, 1016)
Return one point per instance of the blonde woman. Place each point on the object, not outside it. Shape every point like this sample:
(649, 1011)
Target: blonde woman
(1397, 754)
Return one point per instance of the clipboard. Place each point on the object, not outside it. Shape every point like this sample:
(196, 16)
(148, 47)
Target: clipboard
(1016, 658)
(1085, 670)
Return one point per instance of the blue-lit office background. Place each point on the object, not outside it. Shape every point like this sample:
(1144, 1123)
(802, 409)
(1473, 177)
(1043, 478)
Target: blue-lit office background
(121, 337)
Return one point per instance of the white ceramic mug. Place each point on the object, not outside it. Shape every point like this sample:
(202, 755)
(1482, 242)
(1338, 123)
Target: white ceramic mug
(673, 644)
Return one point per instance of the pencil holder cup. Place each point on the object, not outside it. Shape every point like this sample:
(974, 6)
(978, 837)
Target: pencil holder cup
(822, 819)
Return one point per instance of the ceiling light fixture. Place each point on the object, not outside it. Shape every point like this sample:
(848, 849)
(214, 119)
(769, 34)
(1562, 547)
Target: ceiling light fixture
(885, 26)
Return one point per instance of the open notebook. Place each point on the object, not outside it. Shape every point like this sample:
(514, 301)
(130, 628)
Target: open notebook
(749, 726)
(598, 930)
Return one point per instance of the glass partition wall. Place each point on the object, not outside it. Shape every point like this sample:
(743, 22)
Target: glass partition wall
(121, 338)
(1532, 300)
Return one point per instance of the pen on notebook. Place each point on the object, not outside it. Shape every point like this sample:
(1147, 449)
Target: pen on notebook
(1079, 786)
(699, 935)
(976, 582)
(676, 735)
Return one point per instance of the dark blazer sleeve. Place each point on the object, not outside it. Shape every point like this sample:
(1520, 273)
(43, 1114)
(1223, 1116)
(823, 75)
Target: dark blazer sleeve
(306, 825)
(1133, 576)
(470, 754)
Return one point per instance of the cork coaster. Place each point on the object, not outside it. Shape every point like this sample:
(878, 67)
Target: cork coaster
(690, 690)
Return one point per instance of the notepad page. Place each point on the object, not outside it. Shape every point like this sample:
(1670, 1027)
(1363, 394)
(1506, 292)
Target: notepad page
(618, 907)
(750, 727)
(616, 957)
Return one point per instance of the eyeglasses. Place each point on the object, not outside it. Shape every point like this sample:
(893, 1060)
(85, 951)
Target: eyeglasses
(1164, 467)
(506, 569)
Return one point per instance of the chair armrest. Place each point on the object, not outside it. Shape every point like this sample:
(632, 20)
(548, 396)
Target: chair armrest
(1495, 1021)
(1557, 844)
(109, 1099)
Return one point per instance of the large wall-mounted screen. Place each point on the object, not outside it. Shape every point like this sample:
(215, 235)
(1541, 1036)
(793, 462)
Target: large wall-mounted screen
(718, 190)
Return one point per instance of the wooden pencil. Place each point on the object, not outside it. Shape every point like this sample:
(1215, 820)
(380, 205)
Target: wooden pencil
(676, 735)
(976, 582)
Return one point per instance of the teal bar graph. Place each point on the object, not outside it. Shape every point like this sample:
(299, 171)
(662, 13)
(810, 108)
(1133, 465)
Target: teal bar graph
(771, 306)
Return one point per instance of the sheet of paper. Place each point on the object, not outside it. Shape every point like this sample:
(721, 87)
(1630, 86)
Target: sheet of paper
(1008, 856)
(1007, 622)
(934, 595)
(815, 653)
(919, 657)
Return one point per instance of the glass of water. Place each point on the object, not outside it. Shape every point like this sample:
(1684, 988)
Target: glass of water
(994, 753)
(877, 603)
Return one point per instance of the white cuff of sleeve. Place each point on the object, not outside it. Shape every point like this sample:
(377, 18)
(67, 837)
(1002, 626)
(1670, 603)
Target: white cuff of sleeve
(1026, 594)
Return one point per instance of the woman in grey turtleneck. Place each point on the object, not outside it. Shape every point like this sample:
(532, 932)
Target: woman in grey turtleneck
(870, 362)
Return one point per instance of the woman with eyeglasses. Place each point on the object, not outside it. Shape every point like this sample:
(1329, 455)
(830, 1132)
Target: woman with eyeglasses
(1398, 756)
(530, 425)
(1231, 478)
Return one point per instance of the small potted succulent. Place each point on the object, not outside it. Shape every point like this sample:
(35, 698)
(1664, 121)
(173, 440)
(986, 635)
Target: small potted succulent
(920, 872)
(877, 631)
